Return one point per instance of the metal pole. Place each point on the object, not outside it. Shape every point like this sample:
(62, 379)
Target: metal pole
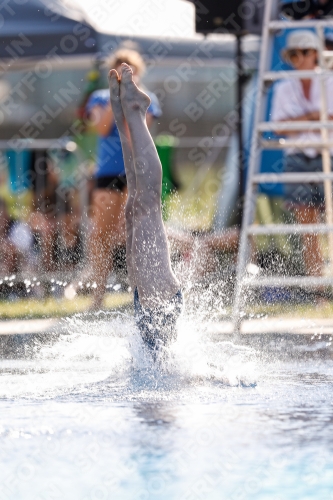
(325, 152)
(251, 194)
(240, 81)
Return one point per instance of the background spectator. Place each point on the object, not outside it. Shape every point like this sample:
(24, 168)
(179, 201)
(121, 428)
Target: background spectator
(299, 100)
(69, 242)
(15, 242)
(43, 219)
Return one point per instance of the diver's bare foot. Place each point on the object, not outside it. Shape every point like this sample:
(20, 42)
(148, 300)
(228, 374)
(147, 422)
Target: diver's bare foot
(132, 98)
(117, 110)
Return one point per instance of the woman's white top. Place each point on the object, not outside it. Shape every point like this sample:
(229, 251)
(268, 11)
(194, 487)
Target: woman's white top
(289, 101)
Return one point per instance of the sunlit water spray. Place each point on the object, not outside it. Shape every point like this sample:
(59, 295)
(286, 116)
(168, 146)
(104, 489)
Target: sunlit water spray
(108, 357)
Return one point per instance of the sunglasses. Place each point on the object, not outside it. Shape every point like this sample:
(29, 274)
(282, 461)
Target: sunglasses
(299, 52)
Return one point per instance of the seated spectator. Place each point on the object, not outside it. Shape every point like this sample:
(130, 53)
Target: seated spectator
(299, 100)
(8, 254)
(200, 249)
(43, 219)
(15, 243)
(69, 242)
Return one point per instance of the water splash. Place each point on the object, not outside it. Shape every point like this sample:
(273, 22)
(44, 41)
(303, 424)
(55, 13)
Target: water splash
(105, 357)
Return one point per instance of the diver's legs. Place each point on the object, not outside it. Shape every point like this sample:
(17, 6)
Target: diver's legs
(118, 114)
(155, 280)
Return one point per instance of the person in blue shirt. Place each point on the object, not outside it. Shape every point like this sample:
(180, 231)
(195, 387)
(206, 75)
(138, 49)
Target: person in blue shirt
(110, 193)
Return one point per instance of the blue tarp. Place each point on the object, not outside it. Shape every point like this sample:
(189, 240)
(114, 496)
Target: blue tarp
(38, 27)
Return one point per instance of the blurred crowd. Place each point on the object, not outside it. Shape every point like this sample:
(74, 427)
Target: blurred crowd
(46, 233)
(42, 232)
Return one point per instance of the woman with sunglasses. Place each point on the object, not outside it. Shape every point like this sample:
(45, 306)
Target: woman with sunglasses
(299, 100)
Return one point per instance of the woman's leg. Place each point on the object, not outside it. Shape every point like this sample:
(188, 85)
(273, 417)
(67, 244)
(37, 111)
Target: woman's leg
(302, 196)
(155, 280)
(40, 224)
(312, 255)
(9, 257)
(108, 208)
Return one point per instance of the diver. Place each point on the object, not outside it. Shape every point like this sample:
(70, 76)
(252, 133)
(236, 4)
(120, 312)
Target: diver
(158, 299)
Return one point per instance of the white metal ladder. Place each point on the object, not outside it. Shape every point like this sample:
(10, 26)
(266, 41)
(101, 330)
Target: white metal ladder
(265, 77)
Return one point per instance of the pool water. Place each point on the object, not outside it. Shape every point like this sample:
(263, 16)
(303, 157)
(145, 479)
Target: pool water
(91, 417)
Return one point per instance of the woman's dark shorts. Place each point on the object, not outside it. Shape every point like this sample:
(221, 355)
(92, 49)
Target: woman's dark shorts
(112, 182)
(158, 326)
(310, 194)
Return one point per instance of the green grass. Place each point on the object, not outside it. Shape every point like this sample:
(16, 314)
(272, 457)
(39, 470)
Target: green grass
(320, 310)
(53, 308)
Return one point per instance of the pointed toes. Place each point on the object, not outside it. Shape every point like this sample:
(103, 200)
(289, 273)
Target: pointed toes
(126, 72)
(114, 83)
(113, 76)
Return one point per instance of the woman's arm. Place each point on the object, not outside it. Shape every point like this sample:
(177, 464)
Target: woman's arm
(283, 107)
(149, 120)
(311, 116)
(101, 119)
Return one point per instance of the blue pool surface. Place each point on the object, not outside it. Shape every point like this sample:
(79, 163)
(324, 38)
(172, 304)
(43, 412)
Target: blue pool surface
(91, 417)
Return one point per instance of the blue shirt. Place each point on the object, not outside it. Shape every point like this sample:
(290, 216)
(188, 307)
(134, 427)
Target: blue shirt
(109, 153)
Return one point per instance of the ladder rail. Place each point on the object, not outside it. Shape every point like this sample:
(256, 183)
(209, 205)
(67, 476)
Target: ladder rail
(250, 195)
(283, 144)
(295, 126)
(291, 178)
(304, 23)
(271, 76)
(325, 152)
(289, 281)
(263, 229)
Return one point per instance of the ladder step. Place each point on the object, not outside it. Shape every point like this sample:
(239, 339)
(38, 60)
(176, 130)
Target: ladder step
(316, 177)
(256, 229)
(284, 281)
(307, 23)
(61, 143)
(284, 144)
(278, 75)
(298, 126)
